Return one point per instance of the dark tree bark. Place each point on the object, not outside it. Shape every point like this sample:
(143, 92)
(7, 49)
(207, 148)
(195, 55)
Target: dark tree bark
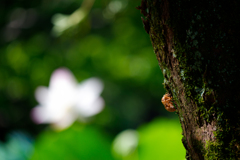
(197, 47)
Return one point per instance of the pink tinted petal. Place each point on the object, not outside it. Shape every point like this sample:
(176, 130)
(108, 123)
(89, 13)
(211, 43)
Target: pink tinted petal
(62, 77)
(62, 89)
(41, 95)
(39, 115)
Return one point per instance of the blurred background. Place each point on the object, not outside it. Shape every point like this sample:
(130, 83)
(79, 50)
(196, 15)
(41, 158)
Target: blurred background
(89, 38)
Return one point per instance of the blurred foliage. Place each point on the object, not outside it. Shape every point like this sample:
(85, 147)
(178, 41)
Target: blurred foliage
(115, 49)
(161, 139)
(77, 142)
(109, 43)
(18, 147)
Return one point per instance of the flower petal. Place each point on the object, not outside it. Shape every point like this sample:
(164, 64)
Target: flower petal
(41, 95)
(62, 89)
(39, 115)
(65, 100)
(91, 109)
(88, 91)
(65, 122)
(62, 77)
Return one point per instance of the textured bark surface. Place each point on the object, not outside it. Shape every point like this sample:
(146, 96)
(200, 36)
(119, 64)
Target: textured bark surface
(197, 47)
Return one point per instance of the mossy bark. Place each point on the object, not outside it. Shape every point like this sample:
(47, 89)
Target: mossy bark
(197, 47)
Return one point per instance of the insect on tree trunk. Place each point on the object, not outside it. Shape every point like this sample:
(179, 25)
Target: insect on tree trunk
(197, 46)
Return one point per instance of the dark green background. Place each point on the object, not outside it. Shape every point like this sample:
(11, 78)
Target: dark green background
(114, 48)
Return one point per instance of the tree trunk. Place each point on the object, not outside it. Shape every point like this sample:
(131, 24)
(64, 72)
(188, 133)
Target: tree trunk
(197, 47)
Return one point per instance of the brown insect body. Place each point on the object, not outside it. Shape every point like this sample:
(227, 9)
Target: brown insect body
(167, 102)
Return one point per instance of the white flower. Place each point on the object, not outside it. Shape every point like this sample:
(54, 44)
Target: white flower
(65, 100)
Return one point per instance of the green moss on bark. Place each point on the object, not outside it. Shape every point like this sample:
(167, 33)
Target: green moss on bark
(196, 44)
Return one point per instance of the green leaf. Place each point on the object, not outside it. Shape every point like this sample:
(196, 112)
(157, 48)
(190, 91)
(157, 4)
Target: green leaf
(161, 139)
(77, 142)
